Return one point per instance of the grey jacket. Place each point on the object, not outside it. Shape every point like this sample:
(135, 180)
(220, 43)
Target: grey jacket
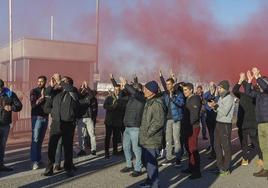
(225, 109)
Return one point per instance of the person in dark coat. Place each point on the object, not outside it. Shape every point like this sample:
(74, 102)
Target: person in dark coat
(9, 103)
(132, 122)
(246, 121)
(191, 121)
(260, 93)
(114, 105)
(62, 102)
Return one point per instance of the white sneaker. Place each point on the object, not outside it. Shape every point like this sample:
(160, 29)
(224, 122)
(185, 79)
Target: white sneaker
(35, 166)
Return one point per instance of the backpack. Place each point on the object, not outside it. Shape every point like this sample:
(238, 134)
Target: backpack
(68, 107)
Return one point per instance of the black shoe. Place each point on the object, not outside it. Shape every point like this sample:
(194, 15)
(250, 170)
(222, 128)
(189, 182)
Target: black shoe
(212, 156)
(4, 168)
(115, 152)
(126, 169)
(48, 172)
(166, 163)
(208, 148)
(81, 153)
(145, 185)
(187, 171)
(195, 176)
(93, 152)
(57, 168)
(178, 163)
(136, 173)
(74, 168)
(69, 173)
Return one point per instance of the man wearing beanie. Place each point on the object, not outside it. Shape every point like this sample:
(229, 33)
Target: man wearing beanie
(222, 143)
(151, 133)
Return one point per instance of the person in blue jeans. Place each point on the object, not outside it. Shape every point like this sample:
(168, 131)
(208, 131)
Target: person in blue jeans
(132, 122)
(39, 120)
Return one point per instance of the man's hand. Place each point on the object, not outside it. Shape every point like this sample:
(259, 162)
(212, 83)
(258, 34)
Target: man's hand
(242, 78)
(123, 81)
(57, 78)
(43, 93)
(7, 108)
(52, 82)
(212, 104)
(250, 77)
(160, 73)
(256, 72)
(111, 76)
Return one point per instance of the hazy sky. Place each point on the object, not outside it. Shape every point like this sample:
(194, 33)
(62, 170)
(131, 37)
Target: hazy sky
(143, 35)
(32, 17)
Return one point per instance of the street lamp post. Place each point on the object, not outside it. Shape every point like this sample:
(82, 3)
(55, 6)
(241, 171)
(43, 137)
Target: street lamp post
(96, 69)
(10, 43)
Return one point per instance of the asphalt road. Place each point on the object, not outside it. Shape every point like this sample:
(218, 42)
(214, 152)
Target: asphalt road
(100, 172)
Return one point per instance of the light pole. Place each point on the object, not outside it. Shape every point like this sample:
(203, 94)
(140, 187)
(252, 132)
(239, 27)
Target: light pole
(96, 69)
(51, 27)
(10, 42)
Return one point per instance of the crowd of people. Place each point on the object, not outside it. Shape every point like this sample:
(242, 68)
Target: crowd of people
(149, 122)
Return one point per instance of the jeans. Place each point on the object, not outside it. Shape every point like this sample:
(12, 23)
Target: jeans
(263, 138)
(4, 130)
(173, 134)
(149, 157)
(222, 145)
(130, 143)
(39, 127)
(86, 125)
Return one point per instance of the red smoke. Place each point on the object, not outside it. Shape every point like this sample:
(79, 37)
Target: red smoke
(183, 33)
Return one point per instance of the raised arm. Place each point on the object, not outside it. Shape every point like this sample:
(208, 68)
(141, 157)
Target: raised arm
(162, 80)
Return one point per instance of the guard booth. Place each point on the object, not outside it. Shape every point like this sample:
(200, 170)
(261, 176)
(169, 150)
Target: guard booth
(35, 57)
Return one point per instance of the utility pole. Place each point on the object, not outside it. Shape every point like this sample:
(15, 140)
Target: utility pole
(51, 28)
(96, 69)
(10, 42)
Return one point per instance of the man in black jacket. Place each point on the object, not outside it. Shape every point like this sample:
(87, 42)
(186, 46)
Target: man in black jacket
(85, 124)
(246, 121)
(261, 96)
(191, 121)
(9, 103)
(132, 121)
(62, 103)
(39, 120)
(115, 110)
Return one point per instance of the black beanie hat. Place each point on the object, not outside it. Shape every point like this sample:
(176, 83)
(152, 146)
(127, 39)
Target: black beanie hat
(224, 84)
(152, 86)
